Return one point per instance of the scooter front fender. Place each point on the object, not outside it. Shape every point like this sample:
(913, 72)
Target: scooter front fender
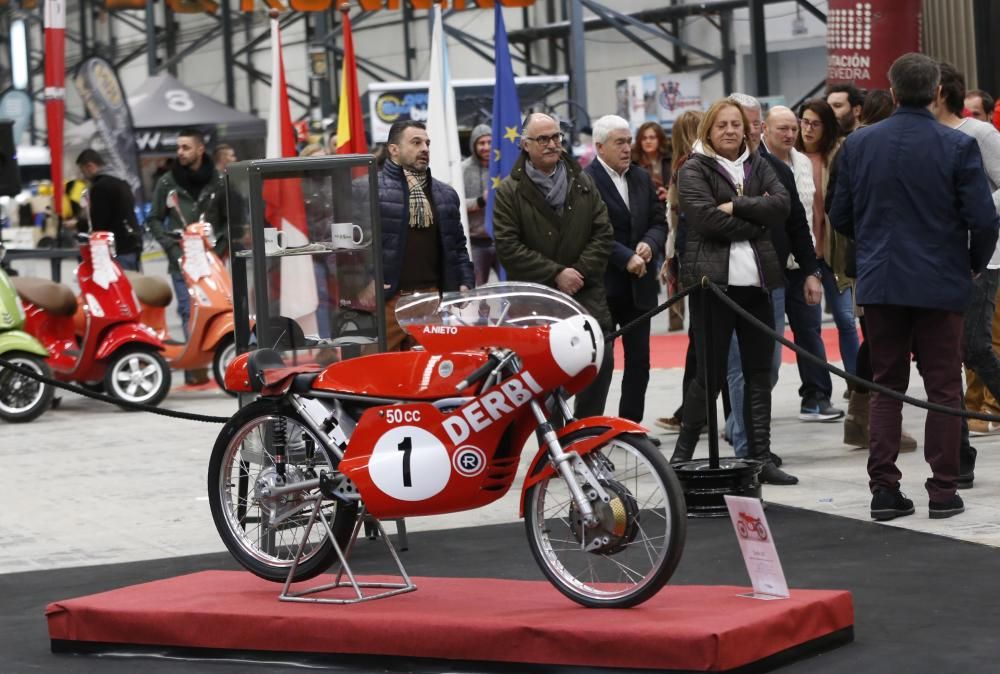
(124, 333)
(18, 340)
(612, 427)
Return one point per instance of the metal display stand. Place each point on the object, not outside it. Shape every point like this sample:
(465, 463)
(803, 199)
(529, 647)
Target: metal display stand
(300, 286)
(386, 589)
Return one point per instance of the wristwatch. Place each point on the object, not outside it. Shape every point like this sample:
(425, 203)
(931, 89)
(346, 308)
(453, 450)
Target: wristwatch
(818, 273)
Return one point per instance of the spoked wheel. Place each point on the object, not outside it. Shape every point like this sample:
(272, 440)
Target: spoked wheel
(225, 352)
(21, 397)
(242, 463)
(138, 375)
(634, 548)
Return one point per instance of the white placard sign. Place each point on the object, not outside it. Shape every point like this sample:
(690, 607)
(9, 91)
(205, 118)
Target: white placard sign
(757, 546)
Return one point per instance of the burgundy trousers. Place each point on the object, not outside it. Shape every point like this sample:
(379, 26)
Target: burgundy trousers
(894, 333)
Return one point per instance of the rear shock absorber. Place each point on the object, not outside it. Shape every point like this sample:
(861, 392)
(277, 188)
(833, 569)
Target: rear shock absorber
(280, 442)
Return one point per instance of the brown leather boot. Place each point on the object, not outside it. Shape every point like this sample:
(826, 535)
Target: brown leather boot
(856, 421)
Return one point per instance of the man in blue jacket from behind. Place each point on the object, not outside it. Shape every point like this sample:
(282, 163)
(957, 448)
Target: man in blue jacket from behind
(913, 195)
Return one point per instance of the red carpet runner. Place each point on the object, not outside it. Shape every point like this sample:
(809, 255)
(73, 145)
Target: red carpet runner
(697, 628)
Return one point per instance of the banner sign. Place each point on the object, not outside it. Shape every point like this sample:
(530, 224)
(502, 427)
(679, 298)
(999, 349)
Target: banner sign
(652, 98)
(864, 38)
(757, 546)
(212, 7)
(102, 94)
(387, 107)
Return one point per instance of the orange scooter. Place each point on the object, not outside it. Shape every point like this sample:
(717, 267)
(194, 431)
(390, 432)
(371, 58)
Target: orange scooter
(211, 338)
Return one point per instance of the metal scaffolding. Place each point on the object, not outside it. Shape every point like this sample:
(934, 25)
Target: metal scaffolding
(558, 45)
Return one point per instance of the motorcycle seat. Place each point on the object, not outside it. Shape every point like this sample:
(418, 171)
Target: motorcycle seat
(151, 290)
(269, 374)
(49, 295)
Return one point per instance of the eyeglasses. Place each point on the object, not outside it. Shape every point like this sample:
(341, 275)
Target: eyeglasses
(811, 124)
(545, 140)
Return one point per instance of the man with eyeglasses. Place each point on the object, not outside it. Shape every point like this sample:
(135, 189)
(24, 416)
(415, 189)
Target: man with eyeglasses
(551, 226)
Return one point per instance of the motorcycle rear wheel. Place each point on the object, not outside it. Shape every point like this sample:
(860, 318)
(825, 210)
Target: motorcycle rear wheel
(641, 532)
(240, 459)
(21, 397)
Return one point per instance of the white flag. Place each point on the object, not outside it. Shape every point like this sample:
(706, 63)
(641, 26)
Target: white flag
(442, 122)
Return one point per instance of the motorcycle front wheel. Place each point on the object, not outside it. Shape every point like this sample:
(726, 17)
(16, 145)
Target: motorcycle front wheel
(639, 537)
(241, 463)
(21, 397)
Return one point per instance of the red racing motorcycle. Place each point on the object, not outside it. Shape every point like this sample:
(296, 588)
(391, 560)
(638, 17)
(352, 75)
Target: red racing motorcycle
(441, 429)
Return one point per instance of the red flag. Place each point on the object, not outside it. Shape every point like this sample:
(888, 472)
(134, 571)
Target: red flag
(284, 203)
(55, 92)
(350, 123)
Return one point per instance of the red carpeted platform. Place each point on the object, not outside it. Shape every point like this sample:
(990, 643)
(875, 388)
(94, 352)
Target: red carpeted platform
(700, 628)
(668, 351)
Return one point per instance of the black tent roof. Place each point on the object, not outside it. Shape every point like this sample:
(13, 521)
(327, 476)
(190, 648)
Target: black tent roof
(162, 102)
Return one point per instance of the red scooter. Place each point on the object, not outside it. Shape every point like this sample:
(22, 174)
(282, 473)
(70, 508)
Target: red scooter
(98, 339)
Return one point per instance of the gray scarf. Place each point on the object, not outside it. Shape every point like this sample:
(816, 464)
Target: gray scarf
(554, 187)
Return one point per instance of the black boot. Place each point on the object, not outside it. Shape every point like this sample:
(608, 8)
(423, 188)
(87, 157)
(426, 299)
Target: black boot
(758, 406)
(687, 441)
(693, 420)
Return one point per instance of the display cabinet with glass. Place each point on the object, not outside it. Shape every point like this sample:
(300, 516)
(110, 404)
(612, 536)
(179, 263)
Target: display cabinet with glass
(306, 258)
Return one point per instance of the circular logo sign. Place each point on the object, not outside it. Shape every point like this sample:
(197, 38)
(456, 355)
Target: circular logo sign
(445, 369)
(469, 461)
(409, 464)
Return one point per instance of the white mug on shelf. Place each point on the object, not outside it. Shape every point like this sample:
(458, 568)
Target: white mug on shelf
(346, 235)
(274, 240)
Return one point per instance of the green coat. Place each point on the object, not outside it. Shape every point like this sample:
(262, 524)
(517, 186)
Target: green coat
(534, 243)
(162, 220)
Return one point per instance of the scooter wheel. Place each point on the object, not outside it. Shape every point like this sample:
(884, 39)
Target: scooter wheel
(21, 397)
(225, 352)
(138, 375)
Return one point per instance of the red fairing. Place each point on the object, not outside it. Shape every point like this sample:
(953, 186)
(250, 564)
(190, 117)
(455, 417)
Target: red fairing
(409, 375)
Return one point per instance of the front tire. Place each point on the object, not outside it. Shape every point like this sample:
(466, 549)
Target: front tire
(241, 459)
(639, 538)
(138, 375)
(22, 398)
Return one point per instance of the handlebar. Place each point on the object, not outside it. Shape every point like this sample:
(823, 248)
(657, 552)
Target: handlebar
(491, 362)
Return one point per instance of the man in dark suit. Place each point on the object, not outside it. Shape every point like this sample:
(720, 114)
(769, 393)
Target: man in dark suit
(640, 230)
(913, 195)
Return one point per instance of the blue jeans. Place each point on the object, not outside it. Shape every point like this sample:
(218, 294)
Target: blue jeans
(842, 305)
(129, 261)
(806, 322)
(735, 423)
(183, 301)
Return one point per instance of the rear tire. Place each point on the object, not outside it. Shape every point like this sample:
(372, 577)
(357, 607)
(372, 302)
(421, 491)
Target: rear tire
(22, 398)
(225, 352)
(239, 460)
(640, 534)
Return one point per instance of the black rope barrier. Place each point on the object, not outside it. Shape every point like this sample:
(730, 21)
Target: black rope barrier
(672, 300)
(188, 416)
(760, 325)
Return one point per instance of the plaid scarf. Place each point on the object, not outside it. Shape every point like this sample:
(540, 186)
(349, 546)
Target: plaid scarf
(421, 215)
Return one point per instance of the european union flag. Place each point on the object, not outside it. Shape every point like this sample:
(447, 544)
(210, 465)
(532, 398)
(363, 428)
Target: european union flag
(506, 115)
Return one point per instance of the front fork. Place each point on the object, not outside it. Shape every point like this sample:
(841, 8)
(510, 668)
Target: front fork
(569, 464)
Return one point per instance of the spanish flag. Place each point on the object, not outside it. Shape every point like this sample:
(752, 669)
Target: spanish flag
(350, 123)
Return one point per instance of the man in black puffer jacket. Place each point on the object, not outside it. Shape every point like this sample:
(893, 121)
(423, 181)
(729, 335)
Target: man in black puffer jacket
(423, 241)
